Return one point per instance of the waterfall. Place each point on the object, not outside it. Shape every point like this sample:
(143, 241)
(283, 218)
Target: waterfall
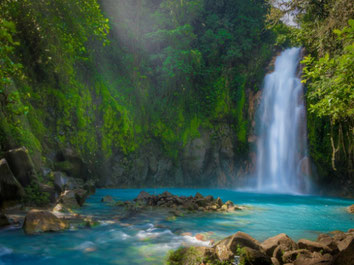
(282, 164)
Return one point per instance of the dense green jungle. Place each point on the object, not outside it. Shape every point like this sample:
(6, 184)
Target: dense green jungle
(132, 94)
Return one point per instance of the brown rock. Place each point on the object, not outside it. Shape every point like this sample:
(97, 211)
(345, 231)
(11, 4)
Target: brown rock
(143, 196)
(328, 241)
(42, 221)
(315, 259)
(251, 256)
(351, 208)
(198, 196)
(219, 202)
(226, 248)
(270, 244)
(275, 261)
(291, 256)
(313, 246)
(108, 199)
(346, 254)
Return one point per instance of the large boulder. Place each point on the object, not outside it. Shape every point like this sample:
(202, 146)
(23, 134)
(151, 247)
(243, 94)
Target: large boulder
(21, 165)
(71, 199)
(271, 243)
(10, 188)
(328, 241)
(346, 254)
(313, 246)
(42, 221)
(226, 248)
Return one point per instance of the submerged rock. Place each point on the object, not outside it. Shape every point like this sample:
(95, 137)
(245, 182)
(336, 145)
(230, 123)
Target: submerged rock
(108, 199)
(37, 221)
(351, 209)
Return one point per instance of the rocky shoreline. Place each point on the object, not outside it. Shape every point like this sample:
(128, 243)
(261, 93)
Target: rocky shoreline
(182, 204)
(334, 248)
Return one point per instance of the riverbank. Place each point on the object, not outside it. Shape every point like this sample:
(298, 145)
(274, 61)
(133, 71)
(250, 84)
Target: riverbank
(334, 248)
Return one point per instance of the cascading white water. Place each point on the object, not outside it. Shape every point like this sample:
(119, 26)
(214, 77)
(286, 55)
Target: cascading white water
(282, 165)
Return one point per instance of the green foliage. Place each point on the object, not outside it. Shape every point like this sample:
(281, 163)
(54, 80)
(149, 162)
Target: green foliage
(34, 196)
(331, 90)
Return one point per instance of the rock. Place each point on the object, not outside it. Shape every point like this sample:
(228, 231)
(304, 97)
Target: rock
(198, 196)
(291, 256)
(10, 188)
(219, 202)
(81, 196)
(351, 208)
(250, 256)
(90, 187)
(313, 246)
(3, 220)
(191, 256)
(143, 196)
(71, 199)
(346, 254)
(21, 165)
(225, 249)
(42, 221)
(328, 241)
(270, 244)
(108, 199)
(275, 261)
(314, 259)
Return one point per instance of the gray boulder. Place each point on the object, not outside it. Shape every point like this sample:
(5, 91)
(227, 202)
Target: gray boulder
(10, 188)
(21, 165)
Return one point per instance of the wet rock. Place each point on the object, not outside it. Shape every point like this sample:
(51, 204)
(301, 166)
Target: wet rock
(291, 256)
(143, 196)
(329, 242)
(10, 188)
(346, 254)
(198, 196)
(351, 209)
(22, 166)
(314, 259)
(270, 244)
(313, 246)
(42, 221)
(62, 182)
(3, 220)
(225, 249)
(219, 202)
(250, 256)
(108, 199)
(71, 199)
